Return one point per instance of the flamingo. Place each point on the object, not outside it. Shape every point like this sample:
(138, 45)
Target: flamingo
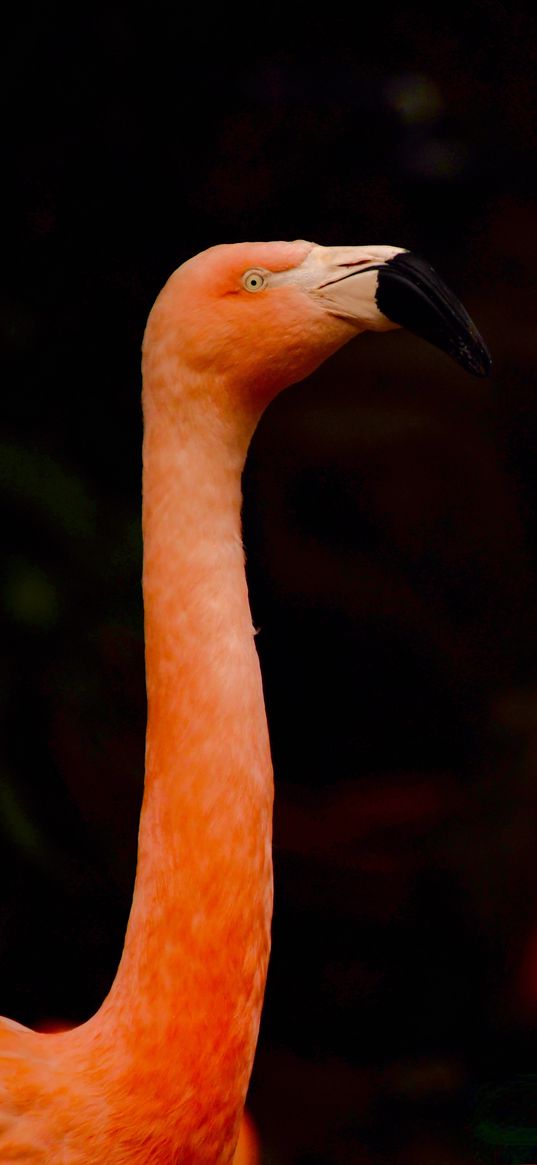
(159, 1074)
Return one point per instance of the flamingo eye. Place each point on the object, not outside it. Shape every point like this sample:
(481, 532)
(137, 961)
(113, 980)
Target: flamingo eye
(254, 280)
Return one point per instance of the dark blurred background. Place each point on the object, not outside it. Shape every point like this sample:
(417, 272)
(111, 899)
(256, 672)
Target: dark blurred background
(390, 526)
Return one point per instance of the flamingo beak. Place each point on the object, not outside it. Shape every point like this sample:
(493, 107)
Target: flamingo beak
(411, 294)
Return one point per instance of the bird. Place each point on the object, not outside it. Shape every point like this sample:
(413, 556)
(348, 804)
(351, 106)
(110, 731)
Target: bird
(158, 1075)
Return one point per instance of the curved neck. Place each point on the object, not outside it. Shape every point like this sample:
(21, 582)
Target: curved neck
(188, 993)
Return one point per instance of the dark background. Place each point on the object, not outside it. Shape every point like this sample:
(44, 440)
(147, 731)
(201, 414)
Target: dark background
(390, 526)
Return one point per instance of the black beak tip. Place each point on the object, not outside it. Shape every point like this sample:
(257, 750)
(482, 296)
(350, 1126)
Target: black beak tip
(474, 357)
(410, 293)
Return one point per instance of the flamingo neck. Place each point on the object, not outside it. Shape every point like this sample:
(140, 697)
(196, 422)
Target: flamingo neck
(187, 997)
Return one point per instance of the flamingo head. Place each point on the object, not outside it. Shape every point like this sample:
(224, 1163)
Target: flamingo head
(252, 318)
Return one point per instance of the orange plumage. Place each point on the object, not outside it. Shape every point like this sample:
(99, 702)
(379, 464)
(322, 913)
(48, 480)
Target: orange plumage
(159, 1075)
